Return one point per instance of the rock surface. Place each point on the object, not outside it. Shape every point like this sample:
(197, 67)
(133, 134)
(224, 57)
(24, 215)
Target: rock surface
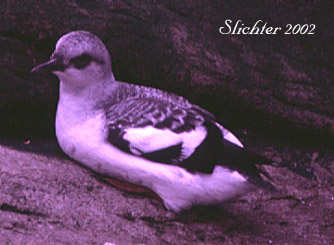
(267, 82)
(274, 91)
(46, 198)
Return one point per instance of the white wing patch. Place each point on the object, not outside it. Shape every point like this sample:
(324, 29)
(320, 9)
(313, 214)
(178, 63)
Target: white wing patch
(150, 139)
(229, 136)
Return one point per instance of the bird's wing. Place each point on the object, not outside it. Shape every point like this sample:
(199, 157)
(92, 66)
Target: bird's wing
(168, 129)
(164, 127)
(156, 129)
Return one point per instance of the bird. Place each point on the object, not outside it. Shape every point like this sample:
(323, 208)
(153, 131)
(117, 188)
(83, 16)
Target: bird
(145, 136)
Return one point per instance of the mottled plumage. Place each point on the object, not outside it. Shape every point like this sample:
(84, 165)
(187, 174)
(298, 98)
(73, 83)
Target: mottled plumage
(144, 135)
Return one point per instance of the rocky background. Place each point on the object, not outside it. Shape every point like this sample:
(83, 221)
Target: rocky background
(276, 92)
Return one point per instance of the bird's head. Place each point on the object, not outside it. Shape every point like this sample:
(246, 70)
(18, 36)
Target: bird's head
(79, 60)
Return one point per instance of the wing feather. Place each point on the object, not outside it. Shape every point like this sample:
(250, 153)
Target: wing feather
(166, 128)
(145, 124)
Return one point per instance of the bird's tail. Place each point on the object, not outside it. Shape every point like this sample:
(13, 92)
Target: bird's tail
(215, 150)
(240, 159)
(248, 164)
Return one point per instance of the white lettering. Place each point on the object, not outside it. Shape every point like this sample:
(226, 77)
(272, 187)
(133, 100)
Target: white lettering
(244, 31)
(235, 27)
(255, 28)
(227, 24)
(259, 27)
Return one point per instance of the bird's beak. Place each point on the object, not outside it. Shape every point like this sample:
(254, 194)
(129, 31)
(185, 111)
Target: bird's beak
(54, 64)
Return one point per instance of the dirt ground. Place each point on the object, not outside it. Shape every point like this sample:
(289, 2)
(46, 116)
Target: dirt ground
(46, 198)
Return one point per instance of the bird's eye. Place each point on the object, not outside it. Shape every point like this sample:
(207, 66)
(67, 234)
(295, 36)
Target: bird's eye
(81, 61)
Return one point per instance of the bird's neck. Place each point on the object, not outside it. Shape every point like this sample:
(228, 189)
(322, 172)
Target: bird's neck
(82, 103)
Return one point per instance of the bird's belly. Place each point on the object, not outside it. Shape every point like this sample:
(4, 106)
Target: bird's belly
(79, 139)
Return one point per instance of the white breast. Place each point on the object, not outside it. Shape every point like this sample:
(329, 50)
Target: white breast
(82, 137)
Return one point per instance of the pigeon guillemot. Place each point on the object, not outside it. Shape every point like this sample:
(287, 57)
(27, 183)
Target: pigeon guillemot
(143, 135)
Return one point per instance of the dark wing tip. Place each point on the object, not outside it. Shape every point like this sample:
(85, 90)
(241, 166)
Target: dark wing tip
(258, 181)
(257, 174)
